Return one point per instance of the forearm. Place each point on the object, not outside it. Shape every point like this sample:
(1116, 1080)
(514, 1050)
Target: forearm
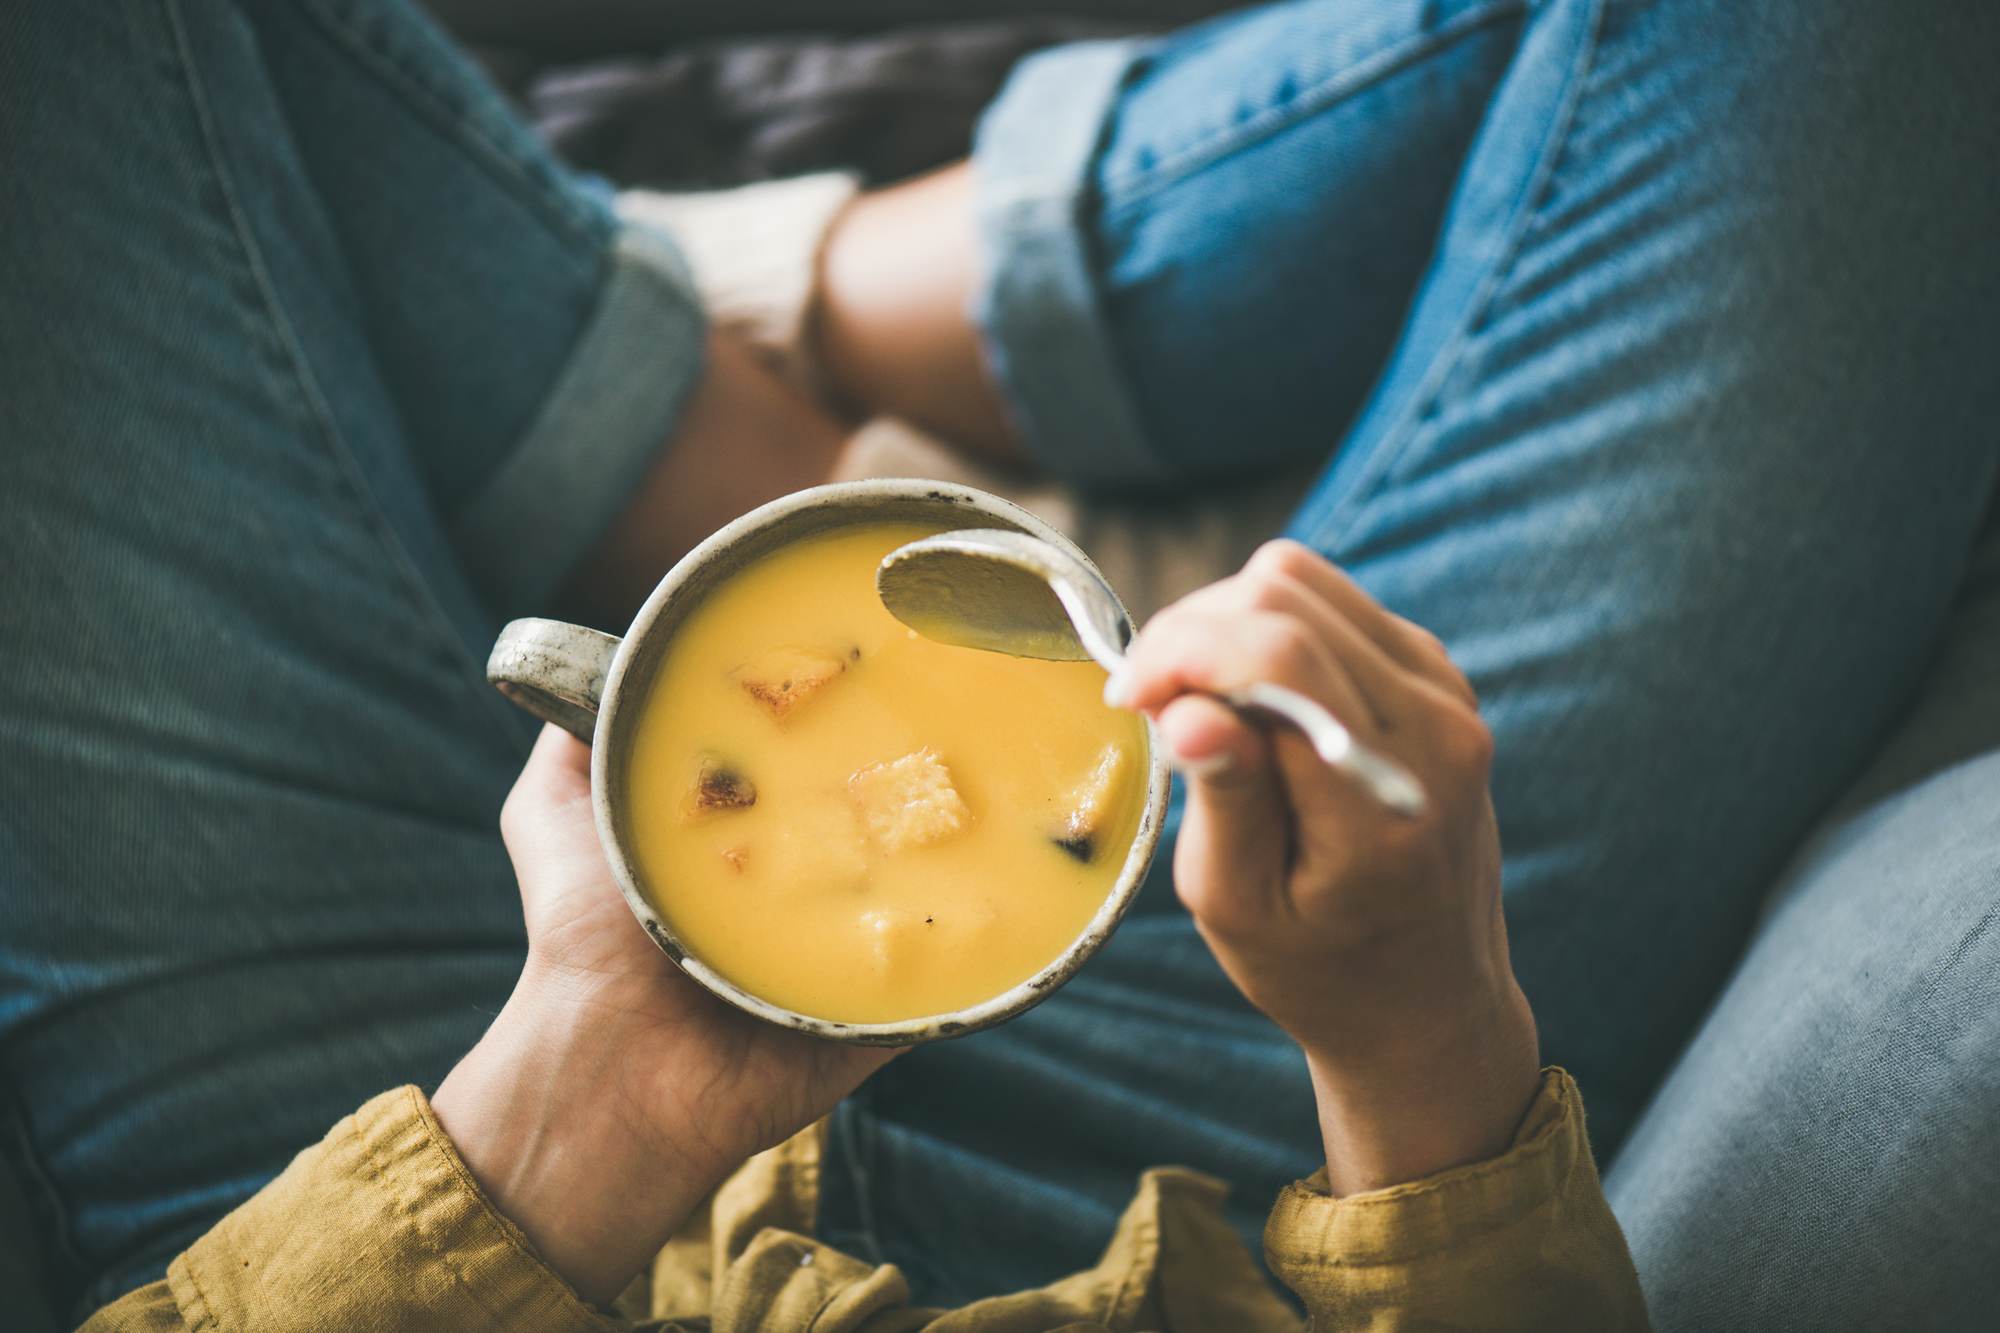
(1442, 1092)
(536, 1113)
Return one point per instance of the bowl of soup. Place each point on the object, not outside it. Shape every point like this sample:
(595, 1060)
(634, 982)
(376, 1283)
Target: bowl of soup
(828, 820)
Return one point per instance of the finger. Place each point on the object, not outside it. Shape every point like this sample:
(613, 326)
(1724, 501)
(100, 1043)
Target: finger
(1436, 663)
(561, 760)
(1296, 560)
(1204, 735)
(547, 817)
(1393, 692)
(1197, 645)
(1423, 712)
(1235, 836)
(1402, 640)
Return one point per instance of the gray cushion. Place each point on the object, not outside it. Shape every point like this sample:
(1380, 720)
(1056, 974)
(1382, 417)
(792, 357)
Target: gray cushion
(1824, 1154)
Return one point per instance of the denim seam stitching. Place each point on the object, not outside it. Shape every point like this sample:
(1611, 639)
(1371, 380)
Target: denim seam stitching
(317, 410)
(20, 1155)
(463, 129)
(1396, 441)
(1272, 121)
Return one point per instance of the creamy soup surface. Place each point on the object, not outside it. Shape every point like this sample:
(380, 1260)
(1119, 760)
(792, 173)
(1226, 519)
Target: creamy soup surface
(857, 823)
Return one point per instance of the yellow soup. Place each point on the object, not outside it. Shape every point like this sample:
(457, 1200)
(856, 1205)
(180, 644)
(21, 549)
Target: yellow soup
(860, 824)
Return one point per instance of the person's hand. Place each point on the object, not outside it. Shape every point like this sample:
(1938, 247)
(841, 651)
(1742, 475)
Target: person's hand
(1376, 941)
(613, 1094)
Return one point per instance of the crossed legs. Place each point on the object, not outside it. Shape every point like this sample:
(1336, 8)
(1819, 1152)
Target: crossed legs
(1611, 346)
(1648, 361)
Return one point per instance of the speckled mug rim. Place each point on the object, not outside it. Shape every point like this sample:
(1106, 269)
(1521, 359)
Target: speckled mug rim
(722, 554)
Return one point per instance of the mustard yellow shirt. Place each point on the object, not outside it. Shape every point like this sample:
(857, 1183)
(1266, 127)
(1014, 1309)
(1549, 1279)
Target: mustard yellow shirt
(380, 1227)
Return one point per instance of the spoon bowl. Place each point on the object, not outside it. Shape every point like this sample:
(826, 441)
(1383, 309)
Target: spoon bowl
(1008, 592)
(1005, 592)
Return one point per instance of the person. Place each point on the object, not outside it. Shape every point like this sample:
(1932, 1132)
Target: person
(612, 1098)
(1613, 323)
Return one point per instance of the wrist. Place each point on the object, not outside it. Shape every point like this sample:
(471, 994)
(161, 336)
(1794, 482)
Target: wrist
(1439, 1089)
(536, 1111)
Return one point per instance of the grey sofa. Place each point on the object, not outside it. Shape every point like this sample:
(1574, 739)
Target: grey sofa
(1826, 1154)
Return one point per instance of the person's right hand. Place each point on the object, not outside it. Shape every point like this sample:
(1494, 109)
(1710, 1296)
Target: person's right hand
(1376, 941)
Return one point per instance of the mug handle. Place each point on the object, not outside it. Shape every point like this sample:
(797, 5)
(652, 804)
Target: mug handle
(554, 670)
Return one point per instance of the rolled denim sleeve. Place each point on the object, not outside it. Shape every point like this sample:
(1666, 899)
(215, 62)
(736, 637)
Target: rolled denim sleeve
(1037, 302)
(615, 401)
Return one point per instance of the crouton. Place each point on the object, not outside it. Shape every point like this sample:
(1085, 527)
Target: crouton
(888, 934)
(908, 802)
(784, 678)
(718, 788)
(1087, 809)
(895, 941)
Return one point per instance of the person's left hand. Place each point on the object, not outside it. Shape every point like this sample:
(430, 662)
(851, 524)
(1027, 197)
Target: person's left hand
(613, 1093)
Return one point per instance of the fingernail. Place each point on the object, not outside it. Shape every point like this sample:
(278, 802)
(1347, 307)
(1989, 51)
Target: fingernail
(1205, 767)
(1118, 688)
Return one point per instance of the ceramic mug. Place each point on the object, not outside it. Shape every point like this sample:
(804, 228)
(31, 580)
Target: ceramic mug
(594, 686)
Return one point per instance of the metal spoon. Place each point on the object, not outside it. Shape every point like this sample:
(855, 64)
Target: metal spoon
(1007, 592)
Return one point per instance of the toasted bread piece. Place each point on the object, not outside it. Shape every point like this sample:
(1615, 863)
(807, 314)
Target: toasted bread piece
(908, 802)
(1087, 809)
(784, 678)
(890, 936)
(718, 788)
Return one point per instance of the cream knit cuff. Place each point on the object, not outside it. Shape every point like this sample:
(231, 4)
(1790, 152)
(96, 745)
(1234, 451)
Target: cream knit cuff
(755, 255)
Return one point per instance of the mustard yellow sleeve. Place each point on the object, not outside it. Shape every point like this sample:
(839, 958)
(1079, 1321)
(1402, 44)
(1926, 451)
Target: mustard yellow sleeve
(378, 1226)
(1525, 1241)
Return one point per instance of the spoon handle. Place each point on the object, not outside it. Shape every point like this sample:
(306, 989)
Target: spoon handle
(1386, 780)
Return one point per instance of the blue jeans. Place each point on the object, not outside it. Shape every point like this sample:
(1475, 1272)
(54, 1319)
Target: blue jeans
(1611, 319)
(316, 368)
(1647, 347)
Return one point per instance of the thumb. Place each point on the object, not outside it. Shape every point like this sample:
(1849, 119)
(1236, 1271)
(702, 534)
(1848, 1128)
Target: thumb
(547, 822)
(1235, 837)
(559, 765)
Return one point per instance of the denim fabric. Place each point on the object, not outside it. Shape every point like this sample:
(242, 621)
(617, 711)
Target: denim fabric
(1659, 383)
(1035, 292)
(1246, 207)
(314, 368)
(1651, 351)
